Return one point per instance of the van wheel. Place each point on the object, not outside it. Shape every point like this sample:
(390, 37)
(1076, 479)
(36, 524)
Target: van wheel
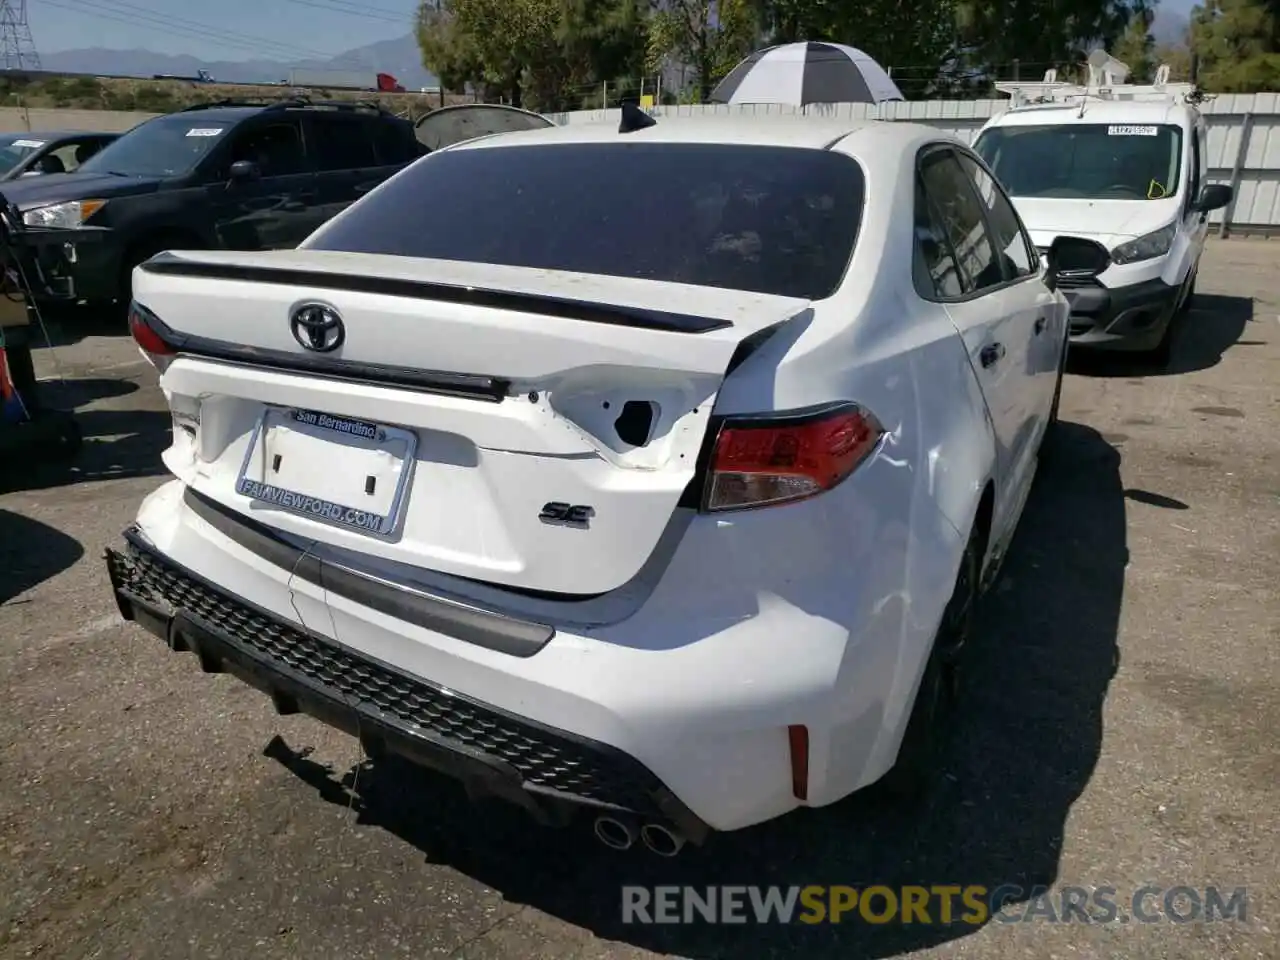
(1185, 307)
(924, 744)
(1161, 355)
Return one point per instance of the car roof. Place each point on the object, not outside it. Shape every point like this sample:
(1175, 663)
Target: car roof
(815, 133)
(223, 114)
(1097, 111)
(48, 135)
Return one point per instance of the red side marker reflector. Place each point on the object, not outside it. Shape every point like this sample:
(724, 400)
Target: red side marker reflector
(799, 738)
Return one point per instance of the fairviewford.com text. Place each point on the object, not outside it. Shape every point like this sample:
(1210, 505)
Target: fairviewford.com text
(937, 904)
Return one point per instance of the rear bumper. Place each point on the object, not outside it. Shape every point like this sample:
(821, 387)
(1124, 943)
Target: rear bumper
(546, 771)
(1132, 317)
(750, 628)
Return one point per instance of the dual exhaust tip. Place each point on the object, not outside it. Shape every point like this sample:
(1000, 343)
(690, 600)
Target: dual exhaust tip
(620, 834)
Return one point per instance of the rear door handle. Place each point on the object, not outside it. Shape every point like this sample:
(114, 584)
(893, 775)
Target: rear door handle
(1041, 321)
(991, 354)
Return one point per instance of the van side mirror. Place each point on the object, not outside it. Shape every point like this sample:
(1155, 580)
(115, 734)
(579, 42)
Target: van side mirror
(1214, 196)
(1074, 257)
(242, 171)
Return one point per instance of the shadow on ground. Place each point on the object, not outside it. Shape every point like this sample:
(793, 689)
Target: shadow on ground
(1214, 325)
(67, 325)
(30, 553)
(1025, 748)
(117, 443)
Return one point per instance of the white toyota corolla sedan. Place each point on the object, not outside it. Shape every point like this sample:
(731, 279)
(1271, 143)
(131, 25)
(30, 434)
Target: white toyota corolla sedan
(649, 470)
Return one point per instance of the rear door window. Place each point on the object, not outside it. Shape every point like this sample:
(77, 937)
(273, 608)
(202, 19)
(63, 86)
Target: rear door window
(960, 215)
(276, 147)
(1016, 250)
(937, 274)
(395, 143)
(342, 142)
(776, 220)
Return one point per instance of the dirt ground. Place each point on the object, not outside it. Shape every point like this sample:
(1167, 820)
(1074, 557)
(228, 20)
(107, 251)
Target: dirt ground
(1120, 731)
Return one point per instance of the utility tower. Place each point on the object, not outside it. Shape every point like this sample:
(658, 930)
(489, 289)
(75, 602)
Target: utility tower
(17, 48)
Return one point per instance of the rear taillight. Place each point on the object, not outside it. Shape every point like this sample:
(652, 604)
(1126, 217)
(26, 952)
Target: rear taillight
(781, 458)
(145, 328)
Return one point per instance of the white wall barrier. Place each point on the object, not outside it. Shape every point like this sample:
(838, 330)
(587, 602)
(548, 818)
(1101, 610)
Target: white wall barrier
(1244, 140)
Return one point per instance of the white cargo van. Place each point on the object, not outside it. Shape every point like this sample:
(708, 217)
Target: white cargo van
(1121, 164)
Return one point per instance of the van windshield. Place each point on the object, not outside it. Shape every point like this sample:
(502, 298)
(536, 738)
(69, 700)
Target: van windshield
(1085, 161)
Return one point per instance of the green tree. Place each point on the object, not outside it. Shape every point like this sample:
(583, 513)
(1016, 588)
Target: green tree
(710, 36)
(541, 54)
(603, 40)
(1237, 43)
(1178, 57)
(493, 42)
(1038, 34)
(1136, 48)
(914, 38)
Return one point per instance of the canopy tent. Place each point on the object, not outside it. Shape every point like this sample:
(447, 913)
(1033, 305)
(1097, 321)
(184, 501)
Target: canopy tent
(807, 72)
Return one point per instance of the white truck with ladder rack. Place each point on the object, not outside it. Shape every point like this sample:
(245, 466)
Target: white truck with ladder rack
(1125, 165)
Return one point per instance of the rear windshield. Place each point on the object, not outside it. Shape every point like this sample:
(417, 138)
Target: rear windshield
(1085, 161)
(773, 220)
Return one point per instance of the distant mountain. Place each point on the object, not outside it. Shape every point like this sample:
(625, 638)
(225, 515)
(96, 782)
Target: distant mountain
(1170, 27)
(399, 57)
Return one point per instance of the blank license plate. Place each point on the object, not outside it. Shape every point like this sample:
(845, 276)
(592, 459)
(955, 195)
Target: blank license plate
(349, 473)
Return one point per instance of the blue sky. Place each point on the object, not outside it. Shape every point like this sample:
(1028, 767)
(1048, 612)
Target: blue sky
(235, 29)
(220, 29)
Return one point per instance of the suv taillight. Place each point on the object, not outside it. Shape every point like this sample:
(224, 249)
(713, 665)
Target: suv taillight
(145, 328)
(781, 458)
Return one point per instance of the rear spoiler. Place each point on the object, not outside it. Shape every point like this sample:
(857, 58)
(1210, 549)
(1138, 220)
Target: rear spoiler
(562, 307)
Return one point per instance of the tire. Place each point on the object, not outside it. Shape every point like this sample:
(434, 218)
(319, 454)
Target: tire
(1057, 389)
(927, 736)
(1161, 355)
(1184, 308)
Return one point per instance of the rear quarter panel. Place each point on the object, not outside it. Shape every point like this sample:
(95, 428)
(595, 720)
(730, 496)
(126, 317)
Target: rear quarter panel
(898, 528)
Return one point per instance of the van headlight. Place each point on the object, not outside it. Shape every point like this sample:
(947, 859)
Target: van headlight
(62, 216)
(1151, 245)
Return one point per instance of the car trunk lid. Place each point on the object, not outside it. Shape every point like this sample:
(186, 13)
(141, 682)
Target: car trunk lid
(529, 428)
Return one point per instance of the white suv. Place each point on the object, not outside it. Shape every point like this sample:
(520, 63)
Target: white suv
(652, 470)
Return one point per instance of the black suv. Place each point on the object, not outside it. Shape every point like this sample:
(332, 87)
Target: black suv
(228, 175)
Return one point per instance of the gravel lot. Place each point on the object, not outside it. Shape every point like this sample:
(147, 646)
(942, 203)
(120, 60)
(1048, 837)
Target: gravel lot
(1120, 730)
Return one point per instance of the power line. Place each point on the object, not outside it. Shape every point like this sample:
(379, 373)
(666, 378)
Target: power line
(17, 47)
(135, 10)
(189, 29)
(355, 9)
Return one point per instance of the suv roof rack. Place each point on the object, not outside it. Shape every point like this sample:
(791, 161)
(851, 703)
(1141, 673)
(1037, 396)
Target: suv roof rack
(290, 103)
(1108, 82)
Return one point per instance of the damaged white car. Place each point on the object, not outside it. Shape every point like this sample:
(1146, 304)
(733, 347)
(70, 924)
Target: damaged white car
(648, 471)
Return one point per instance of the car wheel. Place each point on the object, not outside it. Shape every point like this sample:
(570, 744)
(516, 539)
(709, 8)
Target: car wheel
(924, 743)
(1057, 387)
(1161, 355)
(1185, 307)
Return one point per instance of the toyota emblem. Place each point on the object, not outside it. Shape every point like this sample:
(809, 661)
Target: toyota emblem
(318, 327)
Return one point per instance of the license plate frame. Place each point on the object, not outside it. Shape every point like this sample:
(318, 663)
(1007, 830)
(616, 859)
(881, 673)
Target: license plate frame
(341, 432)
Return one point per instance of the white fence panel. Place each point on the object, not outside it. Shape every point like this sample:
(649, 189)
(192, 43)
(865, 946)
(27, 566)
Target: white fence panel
(1243, 147)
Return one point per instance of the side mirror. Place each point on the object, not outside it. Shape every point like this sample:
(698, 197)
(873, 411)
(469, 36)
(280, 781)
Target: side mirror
(243, 171)
(1214, 196)
(1075, 257)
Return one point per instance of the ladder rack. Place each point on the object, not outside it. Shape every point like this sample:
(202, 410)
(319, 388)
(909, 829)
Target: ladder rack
(1107, 82)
